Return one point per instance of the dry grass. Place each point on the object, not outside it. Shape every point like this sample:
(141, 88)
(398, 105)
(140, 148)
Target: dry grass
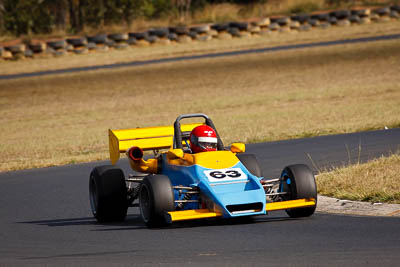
(375, 181)
(63, 119)
(225, 12)
(158, 51)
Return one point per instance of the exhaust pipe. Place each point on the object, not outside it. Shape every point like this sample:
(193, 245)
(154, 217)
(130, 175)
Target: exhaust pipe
(135, 153)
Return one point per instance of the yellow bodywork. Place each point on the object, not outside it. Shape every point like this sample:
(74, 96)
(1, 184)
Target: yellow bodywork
(290, 204)
(150, 138)
(205, 213)
(238, 148)
(155, 138)
(192, 214)
(209, 160)
(146, 166)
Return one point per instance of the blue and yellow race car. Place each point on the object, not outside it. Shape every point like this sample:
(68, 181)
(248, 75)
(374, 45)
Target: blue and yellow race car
(177, 184)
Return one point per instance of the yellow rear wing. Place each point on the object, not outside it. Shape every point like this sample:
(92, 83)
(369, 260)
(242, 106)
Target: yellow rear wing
(149, 138)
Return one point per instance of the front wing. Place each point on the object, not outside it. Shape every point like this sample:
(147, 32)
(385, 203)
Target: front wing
(173, 216)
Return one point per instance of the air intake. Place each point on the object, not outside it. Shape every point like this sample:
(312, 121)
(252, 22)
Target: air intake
(245, 208)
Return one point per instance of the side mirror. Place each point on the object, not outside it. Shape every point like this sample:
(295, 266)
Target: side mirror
(238, 148)
(176, 153)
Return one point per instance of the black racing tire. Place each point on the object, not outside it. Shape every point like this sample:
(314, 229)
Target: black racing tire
(283, 21)
(97, 39)
(108, 194)
(251, 163)
(179, 30)
(361, 12)
(200, 29)
(242, 26)
(91, 46)
(155, 198)
(191, 34)
(56, 45)
(299, 182)
(302, 18)
(354, 19)
(274, 26)
(118, 37)
(394, 14)
(161, 32)
(341, 14)
(313, 22)
(332, 21)
(110, 43)
(395, 8)
(139, 35)
(321, 16)
(173, 37)
(132, 41)
(383, 11)
(18, 48)
(220, 27)
(77, 41)
(151, 39)
(28, 53)
(234, 32)
(38, 47)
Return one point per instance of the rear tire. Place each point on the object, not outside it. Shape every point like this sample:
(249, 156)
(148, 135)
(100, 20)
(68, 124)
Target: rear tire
(155, 198)
(251, 163)
(299, 182)
(108, 194)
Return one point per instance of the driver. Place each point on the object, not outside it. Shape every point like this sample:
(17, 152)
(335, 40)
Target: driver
(202, 139)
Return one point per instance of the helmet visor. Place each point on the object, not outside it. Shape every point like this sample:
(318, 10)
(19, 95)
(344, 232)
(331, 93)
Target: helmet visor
(208, 146)
(207, 143)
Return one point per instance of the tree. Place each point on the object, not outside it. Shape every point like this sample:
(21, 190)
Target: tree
(26, 17)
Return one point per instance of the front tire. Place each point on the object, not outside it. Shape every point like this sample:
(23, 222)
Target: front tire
(299, 182)
(108, 194)
(155, 198)
(251, 163)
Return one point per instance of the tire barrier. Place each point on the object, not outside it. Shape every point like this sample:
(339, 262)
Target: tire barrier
(198, 33)
(37, 47)
(179, 30)
(97, 39)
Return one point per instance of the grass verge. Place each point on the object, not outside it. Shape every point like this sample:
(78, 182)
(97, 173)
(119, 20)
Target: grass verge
(375, 181)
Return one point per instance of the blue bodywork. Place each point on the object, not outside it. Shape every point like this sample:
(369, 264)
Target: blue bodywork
(241, 194)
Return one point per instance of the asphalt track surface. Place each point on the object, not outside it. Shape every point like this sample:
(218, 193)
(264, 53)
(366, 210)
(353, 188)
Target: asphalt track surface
(45, 219)
(203, 56)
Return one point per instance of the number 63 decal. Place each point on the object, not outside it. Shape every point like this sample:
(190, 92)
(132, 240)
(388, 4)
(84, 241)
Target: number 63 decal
(225, 175)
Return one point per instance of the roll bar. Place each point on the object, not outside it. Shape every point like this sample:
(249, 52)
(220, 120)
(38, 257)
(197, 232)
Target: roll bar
(178, 132)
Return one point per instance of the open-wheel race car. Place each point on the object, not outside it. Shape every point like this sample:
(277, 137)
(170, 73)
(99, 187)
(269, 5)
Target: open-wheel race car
(177, 183)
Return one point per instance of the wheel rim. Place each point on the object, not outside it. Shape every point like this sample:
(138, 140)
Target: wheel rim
(286, 187)
(93, 196)
(144, 203)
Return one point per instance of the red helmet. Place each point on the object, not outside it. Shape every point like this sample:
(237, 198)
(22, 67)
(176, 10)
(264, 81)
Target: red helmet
(202, 139)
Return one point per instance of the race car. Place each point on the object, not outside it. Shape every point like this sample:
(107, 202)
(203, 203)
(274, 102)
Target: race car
(176, 184)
